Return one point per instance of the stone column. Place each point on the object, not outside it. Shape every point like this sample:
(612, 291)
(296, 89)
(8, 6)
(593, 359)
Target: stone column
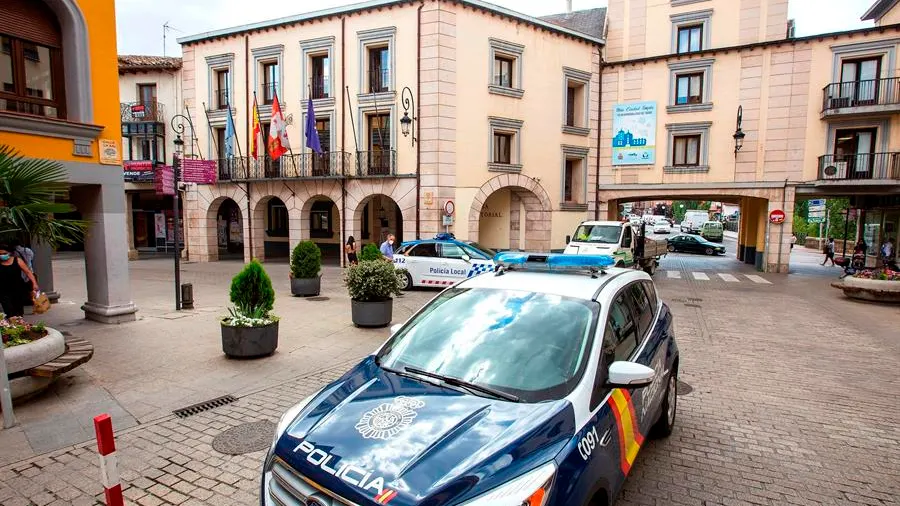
(43, 269)
(106, 261)
(129, 224)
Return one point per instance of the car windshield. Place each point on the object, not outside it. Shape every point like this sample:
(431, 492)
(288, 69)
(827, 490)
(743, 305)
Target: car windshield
(531, 345)
(608, 234)
(489, 253)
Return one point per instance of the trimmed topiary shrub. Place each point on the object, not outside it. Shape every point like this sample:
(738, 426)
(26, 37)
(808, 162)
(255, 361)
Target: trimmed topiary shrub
(306, 260)
(370, 252)
(251, 290)
(372, 281)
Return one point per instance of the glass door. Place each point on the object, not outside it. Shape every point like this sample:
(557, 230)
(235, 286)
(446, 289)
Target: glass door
(859, 81)
(856, 148)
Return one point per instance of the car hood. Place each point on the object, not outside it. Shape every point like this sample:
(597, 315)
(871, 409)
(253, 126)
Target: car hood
(373, 432)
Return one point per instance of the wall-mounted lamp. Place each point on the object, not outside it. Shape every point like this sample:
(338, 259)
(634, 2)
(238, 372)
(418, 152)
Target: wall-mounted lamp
(407, 121)
(738, 133)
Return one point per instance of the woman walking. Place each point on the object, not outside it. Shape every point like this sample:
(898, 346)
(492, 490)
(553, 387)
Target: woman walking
(350, 249)
(829, 251)
(11, 285)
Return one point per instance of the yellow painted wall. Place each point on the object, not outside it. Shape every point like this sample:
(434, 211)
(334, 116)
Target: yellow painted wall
(891, 17)
(564, 223)
(100, 17)
(493, 231)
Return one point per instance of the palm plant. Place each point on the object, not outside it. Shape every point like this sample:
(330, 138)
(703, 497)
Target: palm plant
(30, 190)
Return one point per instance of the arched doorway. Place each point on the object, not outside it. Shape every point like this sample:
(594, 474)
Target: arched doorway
(375, 217)
(230, 231)
(511, 212)
(323, 227)
(271, 228)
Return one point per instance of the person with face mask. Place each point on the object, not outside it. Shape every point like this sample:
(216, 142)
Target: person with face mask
(387, 248)
(11, 270)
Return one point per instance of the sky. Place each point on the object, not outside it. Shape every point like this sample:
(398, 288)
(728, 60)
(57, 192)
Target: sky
(140, 22)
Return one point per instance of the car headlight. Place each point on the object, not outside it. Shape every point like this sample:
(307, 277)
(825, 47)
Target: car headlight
(289, 416)
(530, 489)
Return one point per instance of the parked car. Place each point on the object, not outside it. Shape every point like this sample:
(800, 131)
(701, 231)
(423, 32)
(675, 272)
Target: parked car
(662, 227)
(693, 244)
(712, 231)
(442, 261)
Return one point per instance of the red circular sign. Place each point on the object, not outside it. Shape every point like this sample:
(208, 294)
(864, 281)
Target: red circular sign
(777, 217)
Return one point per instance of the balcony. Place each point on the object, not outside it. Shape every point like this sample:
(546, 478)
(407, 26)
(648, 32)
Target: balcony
(142, 112)
(860, 168)
(299, 166)
(862, 98)
(319, 87)
(376, 163)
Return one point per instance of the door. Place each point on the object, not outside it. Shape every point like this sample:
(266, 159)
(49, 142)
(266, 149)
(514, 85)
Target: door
(856, 148)
(147, 97)
(689, 243)
(859, 81)
(453, 266)
(423, 262)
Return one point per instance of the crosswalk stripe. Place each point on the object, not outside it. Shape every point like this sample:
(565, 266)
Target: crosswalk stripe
(757, 279)
(673, 274)
(700, 276)
(728, 277)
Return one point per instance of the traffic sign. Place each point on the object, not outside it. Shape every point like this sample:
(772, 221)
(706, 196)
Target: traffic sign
(449, 208)
(777, 216)
(816, 219)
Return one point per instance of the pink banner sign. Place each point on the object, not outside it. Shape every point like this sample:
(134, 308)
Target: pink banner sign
(164, 180)
(199, 171)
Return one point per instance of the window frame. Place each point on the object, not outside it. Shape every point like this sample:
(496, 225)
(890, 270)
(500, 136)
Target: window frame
(689, 98)
(19, 94)
(697, 19)
(689, 29)
(270, 69)
(681, 69)
(271, 207)
(685, 130)
(216, 63)
(372, 39)
(499, 138)
(643, 319)
(309, 49)
(580, 198)
(506, 50)
(422, 246)
(686, 138)
(316, 232)
(581, 81)
(502, 60)
(505, 126)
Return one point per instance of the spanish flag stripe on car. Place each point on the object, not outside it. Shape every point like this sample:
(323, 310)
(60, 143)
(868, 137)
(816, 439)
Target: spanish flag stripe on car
(630, 438)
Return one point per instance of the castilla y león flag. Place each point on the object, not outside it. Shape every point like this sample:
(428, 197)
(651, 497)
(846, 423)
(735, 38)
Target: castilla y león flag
(278, 139)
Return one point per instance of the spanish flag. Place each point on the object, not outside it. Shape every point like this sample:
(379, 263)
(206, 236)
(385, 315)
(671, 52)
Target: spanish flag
(257, 139)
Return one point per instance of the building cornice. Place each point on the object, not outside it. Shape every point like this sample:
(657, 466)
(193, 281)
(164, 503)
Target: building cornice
(756, 45)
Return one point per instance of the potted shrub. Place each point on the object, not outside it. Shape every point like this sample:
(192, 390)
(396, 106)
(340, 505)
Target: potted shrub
(306, 265)
(371, 284)
(250, 329)
(370, 252)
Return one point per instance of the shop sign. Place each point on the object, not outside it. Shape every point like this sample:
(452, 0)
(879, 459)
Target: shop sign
(136, 171)
(138, 110)
(109, 152)
(164, 180)
(777, 217)
(199, 171)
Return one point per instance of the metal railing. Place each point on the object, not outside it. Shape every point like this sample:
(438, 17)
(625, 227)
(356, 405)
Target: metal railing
(268, 93)
(860, 166)
(221, 100)
(143, 111)
(319, 87)
(862, 93)
(376, 163)
(304, 165)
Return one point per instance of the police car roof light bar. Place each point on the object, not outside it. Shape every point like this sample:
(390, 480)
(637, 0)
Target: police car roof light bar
(553, 262)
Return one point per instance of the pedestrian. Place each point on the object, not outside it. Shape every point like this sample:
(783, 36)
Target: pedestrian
(27, 255)
(793, 240)
(387, 247)
(11, 270)
(887, 252)
(829, 251)
(351, 249)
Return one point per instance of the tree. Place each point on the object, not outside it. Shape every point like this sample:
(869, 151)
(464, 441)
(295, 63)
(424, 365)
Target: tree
(30, 191)
(679, 207)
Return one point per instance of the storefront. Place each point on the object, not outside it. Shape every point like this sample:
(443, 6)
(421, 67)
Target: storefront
(878, 221)
(152, 222)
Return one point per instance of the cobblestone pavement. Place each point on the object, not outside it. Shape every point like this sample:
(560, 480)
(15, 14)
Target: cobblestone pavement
(794, 401)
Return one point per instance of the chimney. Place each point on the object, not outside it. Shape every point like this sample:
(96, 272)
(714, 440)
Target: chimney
(568, 6)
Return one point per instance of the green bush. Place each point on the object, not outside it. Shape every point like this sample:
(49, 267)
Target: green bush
(372, 281)
(306, 260)
(251, 290)
(370, 252)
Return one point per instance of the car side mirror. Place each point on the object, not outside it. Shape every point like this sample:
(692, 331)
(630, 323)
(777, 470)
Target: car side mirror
(624, 374)
(466, 257)
(396, 328)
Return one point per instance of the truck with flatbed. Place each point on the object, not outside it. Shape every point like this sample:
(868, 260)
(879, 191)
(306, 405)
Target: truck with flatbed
(624, 241)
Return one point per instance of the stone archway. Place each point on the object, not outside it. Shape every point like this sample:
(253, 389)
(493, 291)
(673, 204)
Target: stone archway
(228, 226)
(201, 207)
(401, 195)
(321, 223)
(526, 195)
(267, 241)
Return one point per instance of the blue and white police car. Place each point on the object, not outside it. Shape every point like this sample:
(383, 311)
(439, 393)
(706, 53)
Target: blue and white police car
(532, 386)
(441, 261)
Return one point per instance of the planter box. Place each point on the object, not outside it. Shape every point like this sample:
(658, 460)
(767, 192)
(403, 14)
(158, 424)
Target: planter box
(305, 287)
(872, 290)
(372, 314)
(28, 356)
(249, 342)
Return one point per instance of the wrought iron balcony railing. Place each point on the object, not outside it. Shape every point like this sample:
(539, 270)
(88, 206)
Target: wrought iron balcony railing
(144, 111)
(319, 87)
(861, 94)
(859, 166)
(298, 166)
(376, 163)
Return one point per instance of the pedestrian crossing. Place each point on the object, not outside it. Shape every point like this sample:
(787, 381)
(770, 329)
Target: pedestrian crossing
(716, 276)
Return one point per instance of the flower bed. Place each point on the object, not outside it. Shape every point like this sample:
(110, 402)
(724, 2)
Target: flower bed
(15, 331)
(879, 274)
(880, 285)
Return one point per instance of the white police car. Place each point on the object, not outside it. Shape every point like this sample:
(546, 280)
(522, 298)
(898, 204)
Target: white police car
(532, 386)
(441, 261)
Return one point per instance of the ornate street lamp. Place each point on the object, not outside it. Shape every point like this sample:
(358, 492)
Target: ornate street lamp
(407, 123)
(176, 169)
(738, 133)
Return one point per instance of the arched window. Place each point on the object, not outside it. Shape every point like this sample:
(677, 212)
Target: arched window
(31, 64)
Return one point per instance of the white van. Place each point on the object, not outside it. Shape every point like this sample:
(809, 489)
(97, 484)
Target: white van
(694, 220)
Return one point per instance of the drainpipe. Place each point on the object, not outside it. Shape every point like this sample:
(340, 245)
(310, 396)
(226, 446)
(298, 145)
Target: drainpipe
(418, 117)
(247, 101)
(343, 143)
(599, 121)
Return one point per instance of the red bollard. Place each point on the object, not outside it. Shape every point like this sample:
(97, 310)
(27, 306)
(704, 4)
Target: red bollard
(109, 473)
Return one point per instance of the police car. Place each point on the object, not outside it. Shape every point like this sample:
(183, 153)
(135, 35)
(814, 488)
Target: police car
(536, 385)
(441, 261)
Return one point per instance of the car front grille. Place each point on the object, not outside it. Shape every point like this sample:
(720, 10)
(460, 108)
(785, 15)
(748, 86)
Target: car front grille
(289, 488)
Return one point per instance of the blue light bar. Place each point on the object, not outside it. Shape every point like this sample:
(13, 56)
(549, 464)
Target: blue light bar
(444, 236)
(553, 262)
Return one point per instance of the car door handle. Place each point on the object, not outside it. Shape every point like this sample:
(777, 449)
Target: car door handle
(605, 439)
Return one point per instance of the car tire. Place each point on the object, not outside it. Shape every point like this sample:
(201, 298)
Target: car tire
(670, 248)
(709, 251)
(666, 421)
(409, 282)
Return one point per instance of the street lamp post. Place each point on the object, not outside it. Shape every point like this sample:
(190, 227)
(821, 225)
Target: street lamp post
(738, 133)
(407, 123)
(176, 168)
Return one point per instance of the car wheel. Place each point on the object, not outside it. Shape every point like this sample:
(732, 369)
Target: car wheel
(666, 421)
(709, 251)
(670, 248)
(409, 282)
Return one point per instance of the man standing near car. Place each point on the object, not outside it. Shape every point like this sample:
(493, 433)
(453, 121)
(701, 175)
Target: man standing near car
(387, 248)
